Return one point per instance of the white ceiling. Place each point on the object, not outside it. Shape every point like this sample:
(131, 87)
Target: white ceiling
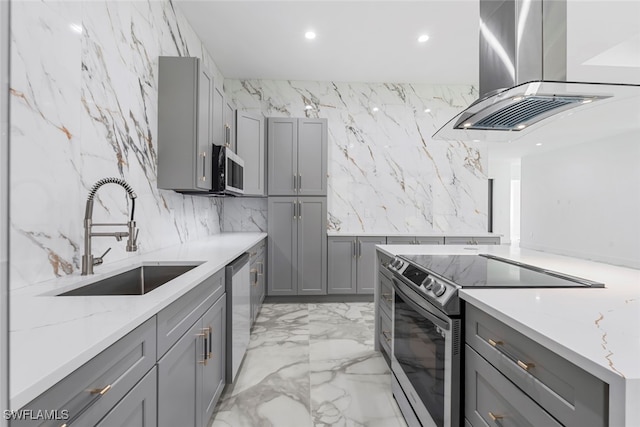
(363, 41)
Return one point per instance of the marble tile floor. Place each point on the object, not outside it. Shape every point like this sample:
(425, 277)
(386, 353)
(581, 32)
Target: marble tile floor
(311, 365)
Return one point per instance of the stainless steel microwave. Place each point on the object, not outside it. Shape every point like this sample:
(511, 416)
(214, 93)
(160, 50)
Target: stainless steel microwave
(227, 171)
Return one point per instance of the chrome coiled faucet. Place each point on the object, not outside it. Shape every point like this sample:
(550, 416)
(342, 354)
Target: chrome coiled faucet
(88, 260)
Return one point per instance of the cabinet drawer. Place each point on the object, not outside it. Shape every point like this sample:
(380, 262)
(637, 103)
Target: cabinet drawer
(386, 294)
(116, 370)
(570, 394)
(176, 319)
(470, 240)
(492, 400)
(385, 332)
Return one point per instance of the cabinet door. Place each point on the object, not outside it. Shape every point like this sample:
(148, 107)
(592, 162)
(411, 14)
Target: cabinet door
(366, 263)
(213, 323)
(283, 245)
(401, 240)
(312, 245)
(205, 129)
(230, 124)
(312, 157)
(138, 408)
(283, 156)
(218, 116)
(179, 381)
(250, 148)
(342, 265)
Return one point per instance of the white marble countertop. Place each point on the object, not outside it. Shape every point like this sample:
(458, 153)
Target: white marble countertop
(596, 329)
(396, 234)
(52, 336)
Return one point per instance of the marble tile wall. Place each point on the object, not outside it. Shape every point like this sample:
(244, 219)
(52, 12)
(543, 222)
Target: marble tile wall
(84, 81)
(245, 214)
(386, 174)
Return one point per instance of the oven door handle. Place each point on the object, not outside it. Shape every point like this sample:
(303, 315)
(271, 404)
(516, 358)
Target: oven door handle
(399, 288)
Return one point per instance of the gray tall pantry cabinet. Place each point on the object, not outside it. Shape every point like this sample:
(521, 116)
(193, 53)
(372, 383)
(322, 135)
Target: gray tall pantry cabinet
(185, 124)
(297, 206)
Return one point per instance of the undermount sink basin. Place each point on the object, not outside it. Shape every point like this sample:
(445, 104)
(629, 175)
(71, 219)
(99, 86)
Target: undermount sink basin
(137, 281)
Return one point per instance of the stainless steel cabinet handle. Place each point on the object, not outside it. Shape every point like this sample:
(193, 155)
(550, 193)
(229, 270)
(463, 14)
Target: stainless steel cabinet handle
(495, 417)
(524, 365)
(210, 355)
(353, 248)
(294, 210)
(359, 249)
(295, 182)
(203, 178)
(300, 210)
(299, 182)
(387, 297)
(387, 335)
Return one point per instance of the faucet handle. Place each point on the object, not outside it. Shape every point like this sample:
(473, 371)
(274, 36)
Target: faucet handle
(99, 260)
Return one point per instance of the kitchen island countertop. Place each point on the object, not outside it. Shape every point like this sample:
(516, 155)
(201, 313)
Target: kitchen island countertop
(596, 329)
(52, 336)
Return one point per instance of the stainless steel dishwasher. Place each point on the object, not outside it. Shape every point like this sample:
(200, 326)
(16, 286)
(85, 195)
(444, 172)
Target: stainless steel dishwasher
(238, 313)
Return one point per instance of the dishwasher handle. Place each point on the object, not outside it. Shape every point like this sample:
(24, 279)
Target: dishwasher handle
(238, 263)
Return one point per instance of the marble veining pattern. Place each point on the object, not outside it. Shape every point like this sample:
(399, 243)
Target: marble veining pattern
(245, 214)
(83, 107)
(386, 174)
(311, 365)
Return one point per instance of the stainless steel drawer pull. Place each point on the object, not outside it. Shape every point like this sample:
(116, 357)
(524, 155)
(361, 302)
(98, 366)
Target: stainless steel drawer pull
(387, 297)
(525, 366)
(495, 417)
(387, 335)
(495, 343)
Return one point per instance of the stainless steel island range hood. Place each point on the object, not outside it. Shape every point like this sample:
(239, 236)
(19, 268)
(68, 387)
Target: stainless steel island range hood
(523, 87)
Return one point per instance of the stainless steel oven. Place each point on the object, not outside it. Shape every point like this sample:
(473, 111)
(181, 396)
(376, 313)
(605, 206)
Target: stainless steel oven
(426, 358)
(427, 326)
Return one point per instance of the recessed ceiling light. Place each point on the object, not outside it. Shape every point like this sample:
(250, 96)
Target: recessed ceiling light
(427, 110)
(310, 35)
(466, 125)
(423, 38)
(539, 144)
(375, 109)
(518, 98)
(308, 107)
(586, 101)
(520, 127)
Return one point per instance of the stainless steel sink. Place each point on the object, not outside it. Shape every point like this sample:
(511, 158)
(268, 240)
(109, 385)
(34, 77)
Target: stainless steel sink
(137, 281)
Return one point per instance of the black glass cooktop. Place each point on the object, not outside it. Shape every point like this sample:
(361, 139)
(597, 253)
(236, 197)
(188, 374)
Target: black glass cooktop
(488, 271)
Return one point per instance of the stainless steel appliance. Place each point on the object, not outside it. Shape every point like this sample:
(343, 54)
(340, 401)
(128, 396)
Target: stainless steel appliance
(427, 325)
(227, 171)
(238, 314)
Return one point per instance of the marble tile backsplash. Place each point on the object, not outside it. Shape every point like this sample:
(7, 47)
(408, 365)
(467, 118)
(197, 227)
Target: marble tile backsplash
(84, 79)
(386, 174)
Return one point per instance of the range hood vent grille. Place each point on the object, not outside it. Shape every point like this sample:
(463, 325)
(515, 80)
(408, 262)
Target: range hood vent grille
(519, 112)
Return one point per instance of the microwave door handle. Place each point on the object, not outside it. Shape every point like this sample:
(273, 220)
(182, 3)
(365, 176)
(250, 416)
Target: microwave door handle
(397, 286)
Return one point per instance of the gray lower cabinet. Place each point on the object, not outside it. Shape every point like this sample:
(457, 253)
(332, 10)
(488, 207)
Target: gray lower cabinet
(297, 255)
(250, 146)
(90, 392)
(185, 127)
(516, 378)
(352, 264)
(191, 373)
(138, 408)
(257, 277)
(297, 157)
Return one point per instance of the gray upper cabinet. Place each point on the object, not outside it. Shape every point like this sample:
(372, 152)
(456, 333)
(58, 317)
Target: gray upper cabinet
(297, 157)
(250, 147)
(218, 116)
(352, 264)
(297, 246)
(185, 127)
(230, 124)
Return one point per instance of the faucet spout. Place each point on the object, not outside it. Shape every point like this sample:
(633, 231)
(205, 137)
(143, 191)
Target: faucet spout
(88, 260)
